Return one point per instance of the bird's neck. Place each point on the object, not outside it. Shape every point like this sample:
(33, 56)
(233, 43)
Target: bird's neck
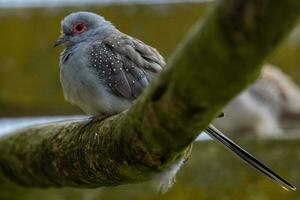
(105, 29)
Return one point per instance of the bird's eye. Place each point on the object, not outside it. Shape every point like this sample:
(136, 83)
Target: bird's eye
(79, 28)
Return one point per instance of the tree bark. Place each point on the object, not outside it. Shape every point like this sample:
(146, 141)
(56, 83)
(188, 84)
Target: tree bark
(218, 59)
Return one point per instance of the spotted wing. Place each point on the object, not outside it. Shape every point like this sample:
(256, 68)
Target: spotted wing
(124, 65)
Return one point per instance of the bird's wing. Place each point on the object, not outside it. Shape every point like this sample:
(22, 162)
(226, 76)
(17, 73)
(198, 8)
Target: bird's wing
(124, 65)
(144, 56)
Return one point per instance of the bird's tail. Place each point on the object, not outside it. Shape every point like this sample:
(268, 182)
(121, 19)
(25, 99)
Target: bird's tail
(247, 157)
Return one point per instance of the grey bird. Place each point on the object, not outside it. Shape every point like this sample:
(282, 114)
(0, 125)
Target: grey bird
(103, 71)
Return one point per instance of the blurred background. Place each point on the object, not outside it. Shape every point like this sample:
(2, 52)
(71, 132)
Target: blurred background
(30, 87)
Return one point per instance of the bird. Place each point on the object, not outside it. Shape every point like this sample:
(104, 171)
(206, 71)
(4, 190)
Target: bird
(103, 71)
(263, 107)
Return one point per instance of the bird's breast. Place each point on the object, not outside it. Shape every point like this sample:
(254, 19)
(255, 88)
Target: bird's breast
(82, 87)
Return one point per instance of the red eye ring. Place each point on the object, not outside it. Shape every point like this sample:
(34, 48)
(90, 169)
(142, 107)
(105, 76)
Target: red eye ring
(79, 27)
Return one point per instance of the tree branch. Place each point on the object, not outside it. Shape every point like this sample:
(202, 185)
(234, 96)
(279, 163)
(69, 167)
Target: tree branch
(219, 58)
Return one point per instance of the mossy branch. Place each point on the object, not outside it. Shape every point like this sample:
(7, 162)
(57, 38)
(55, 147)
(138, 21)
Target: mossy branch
(220, 57)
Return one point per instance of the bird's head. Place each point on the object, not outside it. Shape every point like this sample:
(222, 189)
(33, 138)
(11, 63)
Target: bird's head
(83, 26)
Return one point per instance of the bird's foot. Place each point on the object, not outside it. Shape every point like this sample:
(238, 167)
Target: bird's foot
(99, 118)
(95, 119)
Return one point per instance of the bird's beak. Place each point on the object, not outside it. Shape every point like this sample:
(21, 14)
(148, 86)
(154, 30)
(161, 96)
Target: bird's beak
(61, 40)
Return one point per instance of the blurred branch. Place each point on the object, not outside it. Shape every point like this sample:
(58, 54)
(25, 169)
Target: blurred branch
(218, 59)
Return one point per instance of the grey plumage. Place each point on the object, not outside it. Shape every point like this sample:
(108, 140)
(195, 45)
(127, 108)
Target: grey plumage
(103, 71)
(125, 65)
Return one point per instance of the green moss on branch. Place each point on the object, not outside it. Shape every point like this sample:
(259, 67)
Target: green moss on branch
(220, 57)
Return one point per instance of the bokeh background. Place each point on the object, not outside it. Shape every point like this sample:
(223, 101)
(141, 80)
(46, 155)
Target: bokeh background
(29, 72)
(29, 86)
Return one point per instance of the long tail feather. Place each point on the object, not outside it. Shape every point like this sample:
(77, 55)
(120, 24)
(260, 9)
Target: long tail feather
(248, 158)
